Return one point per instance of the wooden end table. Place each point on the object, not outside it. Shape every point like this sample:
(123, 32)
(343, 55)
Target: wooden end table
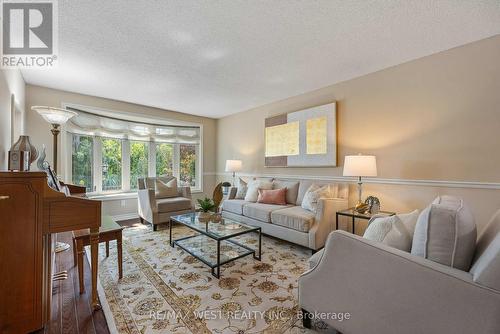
(354, 214)
(108, 231)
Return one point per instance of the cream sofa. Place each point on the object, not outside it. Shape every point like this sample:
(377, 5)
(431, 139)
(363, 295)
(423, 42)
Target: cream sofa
(290, 222)
(159, 210)
(388, 291)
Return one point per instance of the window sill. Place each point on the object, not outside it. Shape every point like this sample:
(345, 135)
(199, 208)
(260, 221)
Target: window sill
(114, 197)
(127, 195)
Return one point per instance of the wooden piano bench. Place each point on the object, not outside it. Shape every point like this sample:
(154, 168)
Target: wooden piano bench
(108, 231)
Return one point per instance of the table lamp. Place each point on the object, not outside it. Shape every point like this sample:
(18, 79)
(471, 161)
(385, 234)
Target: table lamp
(233, 166)
(360, 166)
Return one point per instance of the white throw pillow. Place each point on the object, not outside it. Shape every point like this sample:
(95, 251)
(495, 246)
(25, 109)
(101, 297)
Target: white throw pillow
(312, 196)
(166, 190)
(253, 189)
(394, 231)
(242, 189)
(446, 233)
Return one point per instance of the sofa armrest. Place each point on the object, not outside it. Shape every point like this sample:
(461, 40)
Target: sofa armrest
(232, 193)
(147, 206)
(184, 192)
(324, 222)
(386, 290)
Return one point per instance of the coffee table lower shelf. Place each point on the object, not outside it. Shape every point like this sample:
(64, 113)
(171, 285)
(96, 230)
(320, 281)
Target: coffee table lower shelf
(215, 253)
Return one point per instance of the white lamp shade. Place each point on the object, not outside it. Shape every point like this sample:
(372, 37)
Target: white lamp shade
(233, 165)
(54, 115)
(360, 165)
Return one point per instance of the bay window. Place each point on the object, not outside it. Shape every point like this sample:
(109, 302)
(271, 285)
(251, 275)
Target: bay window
(82, 162)
(111, 164)
(138, 162)
(109, 155)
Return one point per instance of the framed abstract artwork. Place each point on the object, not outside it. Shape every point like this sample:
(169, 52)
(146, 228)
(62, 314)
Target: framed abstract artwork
(304, 138)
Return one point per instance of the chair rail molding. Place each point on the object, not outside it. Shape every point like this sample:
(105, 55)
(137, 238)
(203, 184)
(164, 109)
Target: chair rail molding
(406, 182)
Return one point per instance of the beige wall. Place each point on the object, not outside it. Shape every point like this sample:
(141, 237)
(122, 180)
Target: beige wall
(435, 118)
(11, 82)
(39, 130)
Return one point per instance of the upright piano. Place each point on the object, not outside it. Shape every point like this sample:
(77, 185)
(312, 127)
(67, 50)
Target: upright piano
(30, 213)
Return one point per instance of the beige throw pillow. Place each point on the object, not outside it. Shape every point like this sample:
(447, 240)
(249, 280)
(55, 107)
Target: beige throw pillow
(166, 190)
(312, 196)
(253, 189)
(394, 231)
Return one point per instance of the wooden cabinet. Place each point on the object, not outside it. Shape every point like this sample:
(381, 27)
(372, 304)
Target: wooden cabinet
(21, 254)
(30, 211)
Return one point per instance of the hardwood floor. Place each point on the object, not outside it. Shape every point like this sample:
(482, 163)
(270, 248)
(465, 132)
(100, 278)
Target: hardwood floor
(71, 311)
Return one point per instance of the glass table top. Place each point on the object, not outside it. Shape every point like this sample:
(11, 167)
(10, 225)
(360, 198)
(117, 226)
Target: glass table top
(220, 230)
(205, 249)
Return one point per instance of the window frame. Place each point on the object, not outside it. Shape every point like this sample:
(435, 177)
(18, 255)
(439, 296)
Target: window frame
(97, 178)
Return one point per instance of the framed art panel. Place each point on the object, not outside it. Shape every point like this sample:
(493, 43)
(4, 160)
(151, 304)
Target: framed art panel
(305, 138)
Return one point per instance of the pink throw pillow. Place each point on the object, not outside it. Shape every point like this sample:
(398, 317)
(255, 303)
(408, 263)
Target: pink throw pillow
(276, 196)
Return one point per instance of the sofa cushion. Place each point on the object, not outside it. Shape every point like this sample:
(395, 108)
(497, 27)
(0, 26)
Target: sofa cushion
(253, 189)
(173, 204)
(293, 217)
(292, 189)
(305, 184)
(394, 231)
(314, 260)
(274, 196)
(261, 211)
(242, 189)
(446, 233)
(313, 194)
(234, 205)
(166, 189)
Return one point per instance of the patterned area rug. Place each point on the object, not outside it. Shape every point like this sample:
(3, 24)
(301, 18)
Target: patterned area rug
(166, 290)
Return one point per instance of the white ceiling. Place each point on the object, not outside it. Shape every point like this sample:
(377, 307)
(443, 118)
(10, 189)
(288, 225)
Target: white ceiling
(218, 57)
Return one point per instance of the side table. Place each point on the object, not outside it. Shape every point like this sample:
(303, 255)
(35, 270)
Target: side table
(354, 214)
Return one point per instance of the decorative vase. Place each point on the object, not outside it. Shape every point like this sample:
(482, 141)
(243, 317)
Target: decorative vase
(24, 144)
(204, 216)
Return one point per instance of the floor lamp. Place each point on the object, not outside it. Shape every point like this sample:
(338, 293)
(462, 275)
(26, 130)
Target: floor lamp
(56, 117)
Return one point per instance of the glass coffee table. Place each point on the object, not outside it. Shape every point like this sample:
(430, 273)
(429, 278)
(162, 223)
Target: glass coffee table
(214, 245)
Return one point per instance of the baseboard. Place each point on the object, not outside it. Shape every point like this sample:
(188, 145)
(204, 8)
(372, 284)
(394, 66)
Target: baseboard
(125, 216)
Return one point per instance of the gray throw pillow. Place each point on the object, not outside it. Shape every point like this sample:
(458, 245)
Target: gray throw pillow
(446, 233)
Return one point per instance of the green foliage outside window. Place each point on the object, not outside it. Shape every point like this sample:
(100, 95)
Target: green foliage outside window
(164, 159)
(188, 165)
(111, 164)
(81, 162)
(138, 162)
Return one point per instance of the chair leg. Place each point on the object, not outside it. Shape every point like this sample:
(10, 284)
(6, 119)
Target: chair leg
(75, 254)
(120, 256)
(80, 250)
(306, 319)
(107, 248)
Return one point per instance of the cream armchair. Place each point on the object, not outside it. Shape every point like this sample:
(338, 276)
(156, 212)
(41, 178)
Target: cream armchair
(387, 291)
(159, 210)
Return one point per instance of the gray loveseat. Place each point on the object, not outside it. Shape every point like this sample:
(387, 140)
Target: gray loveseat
(290, 222)
(389, 291)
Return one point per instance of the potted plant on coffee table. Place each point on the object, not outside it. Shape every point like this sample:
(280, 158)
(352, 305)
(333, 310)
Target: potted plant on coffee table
(206, 205)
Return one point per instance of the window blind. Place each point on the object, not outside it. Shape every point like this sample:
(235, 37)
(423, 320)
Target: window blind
(86, 123)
